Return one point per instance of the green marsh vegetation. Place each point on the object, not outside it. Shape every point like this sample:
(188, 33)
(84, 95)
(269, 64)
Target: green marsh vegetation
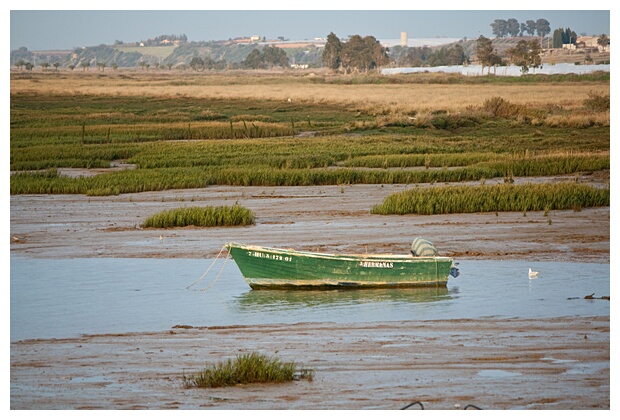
(242, 136)
(493, 198)
(209, 216)
(247, 369)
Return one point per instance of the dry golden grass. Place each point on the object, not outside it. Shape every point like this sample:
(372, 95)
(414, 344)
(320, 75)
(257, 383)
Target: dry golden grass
(377, 99)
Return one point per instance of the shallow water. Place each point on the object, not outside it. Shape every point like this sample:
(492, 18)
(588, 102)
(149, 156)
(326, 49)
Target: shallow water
(68, 297)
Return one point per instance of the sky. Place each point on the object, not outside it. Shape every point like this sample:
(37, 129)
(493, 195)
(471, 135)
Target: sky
(34, 26)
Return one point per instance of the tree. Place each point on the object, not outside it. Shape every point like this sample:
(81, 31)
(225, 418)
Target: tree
(352, 54)
(377, 54)
(56, 65)
(254, 60)
(456, 55)
(274, 57)
(101, 65)
(85, 65)
(415, 57)
(558, 38)
(513, 27)
(526, 55)
(603, 41)
(499, 28)
(332, 52)
(495, 61)
(363, 54)
(44, 65)
(197, 63)
(530, 27)
(209, 63)
(484, 52)
(542, 28)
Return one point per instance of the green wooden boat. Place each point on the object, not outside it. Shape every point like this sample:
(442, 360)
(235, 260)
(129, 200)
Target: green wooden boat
(273, 268)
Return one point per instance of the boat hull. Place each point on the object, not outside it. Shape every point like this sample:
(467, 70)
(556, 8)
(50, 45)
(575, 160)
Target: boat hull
(272, 268)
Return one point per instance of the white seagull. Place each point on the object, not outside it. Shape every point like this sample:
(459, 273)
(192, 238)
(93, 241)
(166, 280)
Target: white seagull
(532, 274)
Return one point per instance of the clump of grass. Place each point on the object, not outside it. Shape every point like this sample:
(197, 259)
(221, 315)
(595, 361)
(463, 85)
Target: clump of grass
(500, 107)
(208, 115)
(500, 197)
(247, 369)
(597, 102)
(209, 216)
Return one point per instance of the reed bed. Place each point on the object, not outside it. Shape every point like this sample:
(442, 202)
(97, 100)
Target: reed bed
(132, 133)
(261, 174)
(209, 216)
(495, 198)
(247, 369)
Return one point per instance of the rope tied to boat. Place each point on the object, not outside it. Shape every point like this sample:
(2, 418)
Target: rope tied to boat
(209, 269)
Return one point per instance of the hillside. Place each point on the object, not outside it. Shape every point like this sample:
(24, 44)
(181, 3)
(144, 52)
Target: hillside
(225, 53)
(229, 54)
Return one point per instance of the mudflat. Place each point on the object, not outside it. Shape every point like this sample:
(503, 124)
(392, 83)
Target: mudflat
(491, 364)
(561, 363)
(332, 219)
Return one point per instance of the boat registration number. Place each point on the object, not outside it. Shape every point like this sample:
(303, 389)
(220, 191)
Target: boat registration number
(257, 254)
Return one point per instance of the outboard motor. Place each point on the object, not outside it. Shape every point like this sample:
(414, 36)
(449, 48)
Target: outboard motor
(423, 248)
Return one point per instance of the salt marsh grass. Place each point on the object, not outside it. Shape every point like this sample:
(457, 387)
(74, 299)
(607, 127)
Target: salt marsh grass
(186, 130)
(201, 217)
(495, 198)
(247, 369)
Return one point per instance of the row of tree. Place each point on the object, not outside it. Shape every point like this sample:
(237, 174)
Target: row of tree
(502, 28)
(269, 57)
(357, 54)
(563, 36)
(428, 57)
(526, 54)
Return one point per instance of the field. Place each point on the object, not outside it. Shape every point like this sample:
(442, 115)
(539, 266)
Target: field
(263, 129)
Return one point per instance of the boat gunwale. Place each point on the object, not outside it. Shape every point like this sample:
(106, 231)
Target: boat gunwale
(339, 257)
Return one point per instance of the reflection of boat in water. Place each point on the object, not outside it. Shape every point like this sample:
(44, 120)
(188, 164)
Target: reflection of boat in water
(272, 268)
(263, 300)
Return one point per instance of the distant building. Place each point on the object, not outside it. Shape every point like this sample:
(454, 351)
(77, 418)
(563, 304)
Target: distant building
(403, 39)
(587, 41)
(591, 42)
